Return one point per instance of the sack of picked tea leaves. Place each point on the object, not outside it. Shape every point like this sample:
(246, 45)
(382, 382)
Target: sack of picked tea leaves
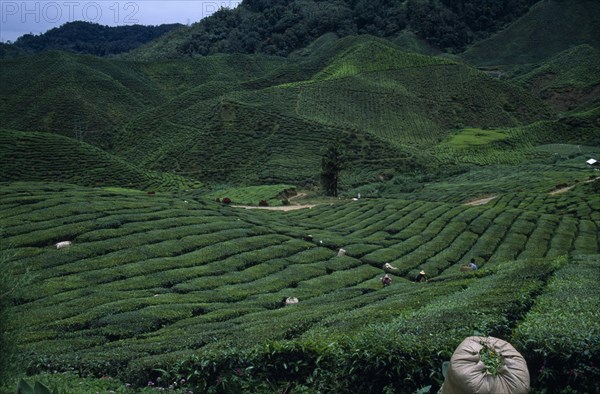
(486, 365)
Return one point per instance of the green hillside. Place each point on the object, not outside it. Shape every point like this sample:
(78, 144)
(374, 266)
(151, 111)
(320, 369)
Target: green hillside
(67, 93)
(255, 119)
(381, 107)
(73, 95)
(252, 119)
(518, 145)
(550, 27)
(47, 157)
(228, 141)
(366, 55)
(404, 97)
(568, 80)
(160, 287)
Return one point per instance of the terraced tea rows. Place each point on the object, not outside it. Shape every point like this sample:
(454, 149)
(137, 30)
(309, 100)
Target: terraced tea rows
(250, 145)
(154, 279)
(565, 310)
(443, 236)
(415, 104)
(255, 119)
(528, 41)
(525, 182)
(29, 156)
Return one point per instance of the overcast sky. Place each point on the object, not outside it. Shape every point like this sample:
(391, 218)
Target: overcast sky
(18, 17)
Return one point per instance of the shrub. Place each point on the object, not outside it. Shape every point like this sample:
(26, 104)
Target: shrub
(227, 200)
(263, 203)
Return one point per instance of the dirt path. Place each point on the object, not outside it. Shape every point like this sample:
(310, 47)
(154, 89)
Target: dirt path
(299, 195)
(282, 208)
(561, 190)
(480, 201)
(567, 188)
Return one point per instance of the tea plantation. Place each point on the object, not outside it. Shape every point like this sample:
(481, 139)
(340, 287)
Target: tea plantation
(51, 157)
(160, 288)
(257, 119)
(169, 284)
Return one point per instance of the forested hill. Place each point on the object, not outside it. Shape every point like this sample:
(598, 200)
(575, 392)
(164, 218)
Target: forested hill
(87, 38)
(278, 27)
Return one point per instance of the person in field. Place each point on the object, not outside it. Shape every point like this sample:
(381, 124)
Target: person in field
(421, 277)
(472, 265)
(386, 280)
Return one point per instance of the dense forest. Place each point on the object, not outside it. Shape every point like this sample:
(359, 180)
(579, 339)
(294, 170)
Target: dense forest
(88, 38)
(279, 27)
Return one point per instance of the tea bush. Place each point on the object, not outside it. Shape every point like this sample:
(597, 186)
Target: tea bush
(560, 336)
(151, 285)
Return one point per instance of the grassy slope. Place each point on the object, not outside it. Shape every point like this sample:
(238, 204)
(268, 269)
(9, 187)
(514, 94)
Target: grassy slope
(568, 80)
(245, 118)
(395, 98)
(31, 156)
(400, 97)
(65, 93)
(150, 280)
(516, 146)
(550, 27)
(162, 47)
(231, 137)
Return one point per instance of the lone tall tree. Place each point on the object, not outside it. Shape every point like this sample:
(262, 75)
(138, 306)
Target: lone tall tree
(331, 165)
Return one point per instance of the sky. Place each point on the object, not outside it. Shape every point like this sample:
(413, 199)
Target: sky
(18, 17)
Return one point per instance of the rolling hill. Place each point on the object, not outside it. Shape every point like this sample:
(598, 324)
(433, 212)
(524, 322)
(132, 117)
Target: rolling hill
(567, 81)
(73, 95)
(222, 117)
(550, 27)
(48, 157)
(400, 99)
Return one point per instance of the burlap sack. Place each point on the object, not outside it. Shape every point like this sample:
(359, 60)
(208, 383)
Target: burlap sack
(467, 374)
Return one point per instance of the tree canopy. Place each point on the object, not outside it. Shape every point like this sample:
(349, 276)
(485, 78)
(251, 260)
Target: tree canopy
(89, 38)
(280, 27)
(332, 163)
